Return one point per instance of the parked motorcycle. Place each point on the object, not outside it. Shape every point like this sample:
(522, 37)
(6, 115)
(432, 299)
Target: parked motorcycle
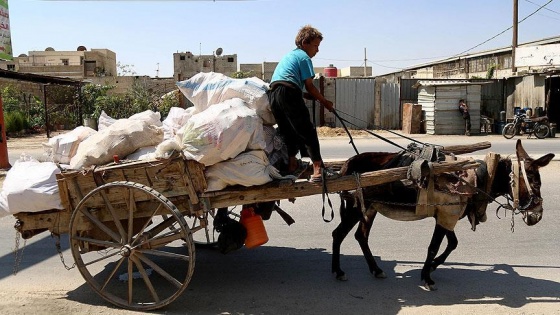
(524, 125)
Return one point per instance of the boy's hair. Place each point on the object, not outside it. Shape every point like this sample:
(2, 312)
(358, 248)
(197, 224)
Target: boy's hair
(307, 34)
(461, 101)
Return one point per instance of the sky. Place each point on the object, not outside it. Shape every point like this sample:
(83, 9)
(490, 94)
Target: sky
(390, 34)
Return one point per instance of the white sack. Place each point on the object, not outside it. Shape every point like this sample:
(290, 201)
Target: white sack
(63, 147)
(247, 169)
(206, 89)
(121, 138)
(145, 153)
(221, 132)
(30, 186)
(175, 120)
(104, 121)
(151, 117)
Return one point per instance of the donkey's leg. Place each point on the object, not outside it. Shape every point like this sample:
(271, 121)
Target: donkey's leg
(362, 236)
(437, 238)
(349, 216)
(452, 243)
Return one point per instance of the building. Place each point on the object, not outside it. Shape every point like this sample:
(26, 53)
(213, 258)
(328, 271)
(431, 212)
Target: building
(532, 80)
(186, 65)
(79, 64)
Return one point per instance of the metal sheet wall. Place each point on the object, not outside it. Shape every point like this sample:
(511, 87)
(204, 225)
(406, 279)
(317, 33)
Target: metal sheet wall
(390, 109)
(355, 102)
(440, 106)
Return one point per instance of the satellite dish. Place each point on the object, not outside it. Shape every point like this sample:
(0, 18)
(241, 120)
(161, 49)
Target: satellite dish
(49, 49)
(22, 55)
(219, 51)
(81, 48)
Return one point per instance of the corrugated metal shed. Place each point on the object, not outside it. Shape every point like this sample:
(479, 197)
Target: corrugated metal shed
(440, 100)
(355, 101)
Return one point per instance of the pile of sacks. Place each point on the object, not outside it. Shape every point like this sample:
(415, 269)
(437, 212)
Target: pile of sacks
(229, 130)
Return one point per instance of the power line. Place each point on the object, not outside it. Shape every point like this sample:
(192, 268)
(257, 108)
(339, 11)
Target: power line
(544, 8)
(507, 29)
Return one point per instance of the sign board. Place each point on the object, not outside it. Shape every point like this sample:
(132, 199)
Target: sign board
(538, 56)
(5, 37)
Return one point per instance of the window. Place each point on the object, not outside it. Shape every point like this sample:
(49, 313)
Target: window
(64, 61)
(12, 67)
(182, 57)
(230, 59)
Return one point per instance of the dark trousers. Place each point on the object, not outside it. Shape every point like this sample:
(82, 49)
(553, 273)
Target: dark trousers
(294, 122)
(467, 118)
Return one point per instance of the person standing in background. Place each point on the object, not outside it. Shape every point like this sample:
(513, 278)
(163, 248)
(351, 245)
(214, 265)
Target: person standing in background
(464, 109)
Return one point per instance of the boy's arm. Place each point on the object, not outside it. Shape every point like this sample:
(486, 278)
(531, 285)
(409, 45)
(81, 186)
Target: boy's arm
(311, 89)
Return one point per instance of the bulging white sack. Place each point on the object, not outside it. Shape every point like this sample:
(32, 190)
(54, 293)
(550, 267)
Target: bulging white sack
(247, 169)
(175, 120)
(149, 116)
(205, 89)
(63, 147)
(121, 138)
(30, 186)
(221, 132)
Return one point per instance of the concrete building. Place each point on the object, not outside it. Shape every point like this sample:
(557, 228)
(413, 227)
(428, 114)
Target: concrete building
(186, 65)
(79, 64)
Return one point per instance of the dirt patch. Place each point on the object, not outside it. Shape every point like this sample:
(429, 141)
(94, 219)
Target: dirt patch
(339, 132)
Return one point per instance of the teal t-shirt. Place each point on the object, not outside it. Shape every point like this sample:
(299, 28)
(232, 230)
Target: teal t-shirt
(295, 67)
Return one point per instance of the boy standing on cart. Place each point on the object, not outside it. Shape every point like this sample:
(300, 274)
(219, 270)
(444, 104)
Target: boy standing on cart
(293, 73)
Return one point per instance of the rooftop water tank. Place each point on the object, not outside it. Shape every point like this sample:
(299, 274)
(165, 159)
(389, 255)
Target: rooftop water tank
(331, 71)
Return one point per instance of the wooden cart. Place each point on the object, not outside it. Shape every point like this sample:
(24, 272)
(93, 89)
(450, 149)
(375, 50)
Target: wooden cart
(133, 226)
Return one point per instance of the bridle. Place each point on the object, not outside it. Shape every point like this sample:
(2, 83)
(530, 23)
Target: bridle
(516, 168)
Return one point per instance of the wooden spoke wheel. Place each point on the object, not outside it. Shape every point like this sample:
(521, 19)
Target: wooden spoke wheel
(132, 245)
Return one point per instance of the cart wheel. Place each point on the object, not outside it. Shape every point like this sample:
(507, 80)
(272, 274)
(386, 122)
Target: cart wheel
(132, 245)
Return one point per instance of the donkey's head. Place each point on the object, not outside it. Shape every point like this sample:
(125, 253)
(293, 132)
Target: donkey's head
(529, 193)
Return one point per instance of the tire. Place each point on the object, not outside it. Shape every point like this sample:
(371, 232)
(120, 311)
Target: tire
(541, 131)
(509, 131)
(132, 246)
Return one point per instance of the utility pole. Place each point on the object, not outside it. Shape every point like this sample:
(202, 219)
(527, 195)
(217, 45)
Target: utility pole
(365, 63)
(157, 70)
(514, 40)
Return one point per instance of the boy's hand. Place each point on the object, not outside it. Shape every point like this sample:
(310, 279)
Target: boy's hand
(328, 105)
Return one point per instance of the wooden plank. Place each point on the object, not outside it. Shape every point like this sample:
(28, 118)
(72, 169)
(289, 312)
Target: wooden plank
(467, 148)
(285, 189)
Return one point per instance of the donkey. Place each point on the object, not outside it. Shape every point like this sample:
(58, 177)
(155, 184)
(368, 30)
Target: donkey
(398, 201)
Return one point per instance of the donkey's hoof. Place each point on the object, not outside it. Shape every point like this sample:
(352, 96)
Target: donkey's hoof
(341, 277)
(428, 287)
(380, 275)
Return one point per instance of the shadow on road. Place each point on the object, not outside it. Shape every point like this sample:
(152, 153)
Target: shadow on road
(296, 281)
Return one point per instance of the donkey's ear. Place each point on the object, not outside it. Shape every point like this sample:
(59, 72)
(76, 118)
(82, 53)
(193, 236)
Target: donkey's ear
(543, 160)
(521, 153)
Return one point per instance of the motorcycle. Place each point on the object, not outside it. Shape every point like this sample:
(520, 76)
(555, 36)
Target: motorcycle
(524, 125)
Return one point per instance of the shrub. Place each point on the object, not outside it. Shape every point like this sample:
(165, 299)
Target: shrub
(15, 121)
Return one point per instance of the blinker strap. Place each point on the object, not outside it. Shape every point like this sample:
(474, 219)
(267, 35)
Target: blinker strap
(515, 183)
(524, 172)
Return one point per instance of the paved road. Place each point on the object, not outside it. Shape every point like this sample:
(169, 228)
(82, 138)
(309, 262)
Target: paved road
(494, 271)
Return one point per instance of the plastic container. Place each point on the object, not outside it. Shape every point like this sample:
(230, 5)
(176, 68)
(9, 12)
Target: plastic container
(253, 223)
(552, 133)
(331, 72)
(539, 111)
(503, 115)
(499, 126)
